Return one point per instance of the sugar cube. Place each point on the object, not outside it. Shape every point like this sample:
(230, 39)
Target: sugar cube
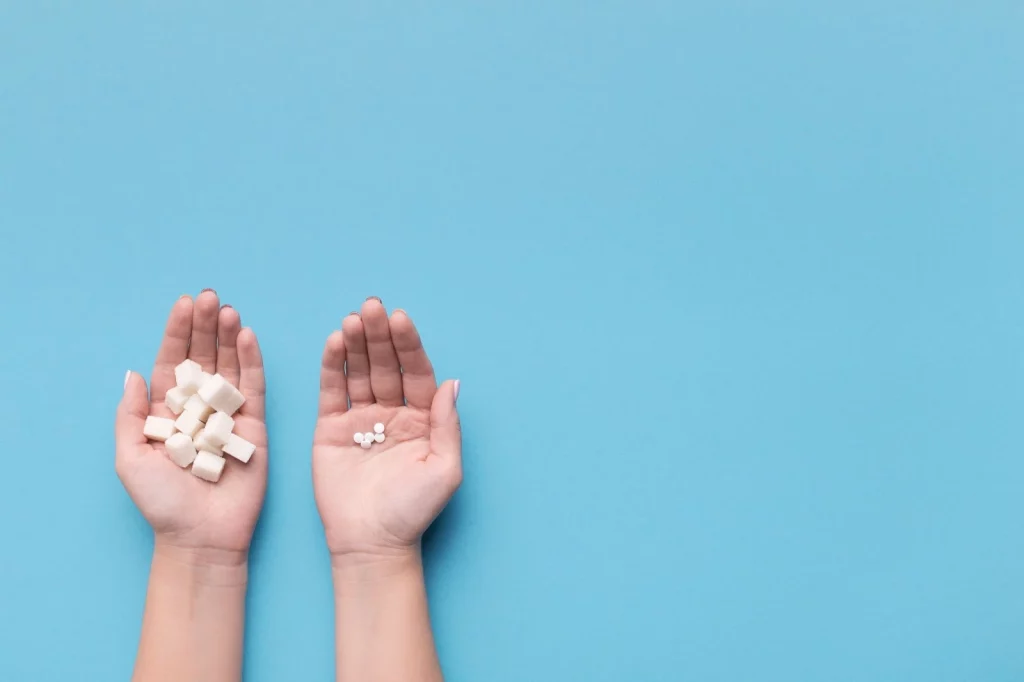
(198, 407)
(158, 428)
(204, 443)
(175, 399)
(219, 394)
(208, 466)
(188, 376)
(218, 428)
(239, 448)
(180, 449)
(188, 423)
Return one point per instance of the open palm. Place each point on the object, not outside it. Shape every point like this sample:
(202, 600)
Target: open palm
(183, 509)
(382, 498)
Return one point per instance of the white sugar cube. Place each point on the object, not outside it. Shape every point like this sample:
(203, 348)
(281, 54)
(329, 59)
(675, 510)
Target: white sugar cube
(203, 378)
(218, 428)
(208, 466)
(198, 407)
(188, 423)
(158, 428)
(180, 449)
(175, 399)
(219, 394)
(239, 448)
(188, 376)
(204, 443)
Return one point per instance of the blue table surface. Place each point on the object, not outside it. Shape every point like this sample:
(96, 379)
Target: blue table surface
(733, 289)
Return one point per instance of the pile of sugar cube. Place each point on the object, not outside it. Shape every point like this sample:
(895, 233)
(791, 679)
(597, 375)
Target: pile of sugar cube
(202, 433)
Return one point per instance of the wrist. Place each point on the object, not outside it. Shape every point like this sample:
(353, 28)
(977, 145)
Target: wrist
(204, 565)
(375, 565)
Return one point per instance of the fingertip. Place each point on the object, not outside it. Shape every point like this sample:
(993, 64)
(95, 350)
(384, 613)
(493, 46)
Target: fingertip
(135, 397)
(400, 319)
(450, 390)
(445, 398)
(229, 317)
(132, 379)
(372, 306)
(207, 300)
(352, 324)
(335, 342)
(183, 306)
(247, 338)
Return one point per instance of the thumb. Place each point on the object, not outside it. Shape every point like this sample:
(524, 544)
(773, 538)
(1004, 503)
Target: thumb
(445, 431)
(131, 415)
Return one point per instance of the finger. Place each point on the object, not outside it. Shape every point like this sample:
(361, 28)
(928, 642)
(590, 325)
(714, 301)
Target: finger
(173, 348)
(418, 382)
(357, 363)
(385, 373)
(445, 430)
(131, 417)
(252, 382)
(203, 348)
(228, 325)
(333, 385)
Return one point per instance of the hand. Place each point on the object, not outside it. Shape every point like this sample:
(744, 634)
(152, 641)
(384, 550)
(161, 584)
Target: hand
(185, 511)
(378, 501)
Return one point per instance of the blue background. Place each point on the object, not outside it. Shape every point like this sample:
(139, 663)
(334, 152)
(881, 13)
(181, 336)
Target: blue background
(734, 290)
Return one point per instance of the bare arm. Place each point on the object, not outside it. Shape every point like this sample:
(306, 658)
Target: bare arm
(195, 617)
(193, 625)
(376, 501)
(382, 629)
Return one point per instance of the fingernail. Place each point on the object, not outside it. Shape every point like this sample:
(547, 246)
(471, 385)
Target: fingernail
(184, 296)
(399, 310)
(127, 376)
(455, 391)
(374, 298)
(227, 305)
(207, 289)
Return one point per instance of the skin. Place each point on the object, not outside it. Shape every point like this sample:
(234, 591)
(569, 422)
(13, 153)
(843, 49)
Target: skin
(375, 504)
(193, 624)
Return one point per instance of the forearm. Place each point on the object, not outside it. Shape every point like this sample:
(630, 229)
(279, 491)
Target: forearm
(382, 624)
(194, 620)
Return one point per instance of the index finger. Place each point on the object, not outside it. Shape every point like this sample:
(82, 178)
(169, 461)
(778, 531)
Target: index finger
(252, 382)
(173, 349)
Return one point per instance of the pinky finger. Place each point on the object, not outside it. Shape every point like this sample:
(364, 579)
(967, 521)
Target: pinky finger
(252, 382)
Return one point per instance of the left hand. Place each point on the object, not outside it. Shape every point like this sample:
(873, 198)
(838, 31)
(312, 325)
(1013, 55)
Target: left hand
(377, 502)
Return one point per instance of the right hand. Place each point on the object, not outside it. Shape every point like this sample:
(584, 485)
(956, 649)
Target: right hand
(186, 512)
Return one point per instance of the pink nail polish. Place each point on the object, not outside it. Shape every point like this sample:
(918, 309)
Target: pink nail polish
(455, 391)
